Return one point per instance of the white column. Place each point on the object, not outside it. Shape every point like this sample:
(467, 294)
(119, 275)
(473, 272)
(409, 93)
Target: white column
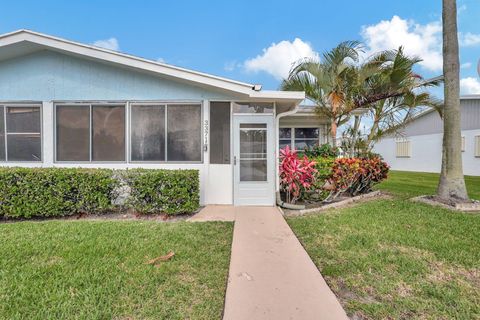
(48, 127)
(205, 151)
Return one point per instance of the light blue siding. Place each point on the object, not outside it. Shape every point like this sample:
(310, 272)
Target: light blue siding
(48, 75)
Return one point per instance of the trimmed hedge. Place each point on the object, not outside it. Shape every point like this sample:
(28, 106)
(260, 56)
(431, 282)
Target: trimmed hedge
(168, 191)
(55, 192)
(50, 192)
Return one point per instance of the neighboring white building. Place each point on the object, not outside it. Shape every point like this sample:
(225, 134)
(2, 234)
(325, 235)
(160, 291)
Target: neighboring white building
(419, 146)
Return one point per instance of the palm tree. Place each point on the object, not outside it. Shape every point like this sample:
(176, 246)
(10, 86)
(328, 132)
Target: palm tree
(328, 82)
(452, 184)
(340, 84)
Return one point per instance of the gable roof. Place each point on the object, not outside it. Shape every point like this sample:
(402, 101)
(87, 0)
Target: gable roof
(23, 42)
(430, 110)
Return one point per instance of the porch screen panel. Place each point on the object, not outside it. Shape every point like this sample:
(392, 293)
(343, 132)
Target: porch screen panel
(2, 134)
(184, 133)
(220, 132)
(73, 133)
(23, 134)
(108, 133)
(148, 133)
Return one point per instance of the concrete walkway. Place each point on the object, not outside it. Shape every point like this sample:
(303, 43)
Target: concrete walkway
(271, 276)
(214, 213)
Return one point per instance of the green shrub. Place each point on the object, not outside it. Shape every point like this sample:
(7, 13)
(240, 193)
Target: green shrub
(51, 192)
(323, 167)
(56, 192)
(166, 191)
(323, 151)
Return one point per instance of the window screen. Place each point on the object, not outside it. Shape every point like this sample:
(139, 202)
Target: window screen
(108, 134)
(247, 107)
(73, 133)
(220, 132)
(148, 133)
(22, 134)
(90, 133)
(184, 133)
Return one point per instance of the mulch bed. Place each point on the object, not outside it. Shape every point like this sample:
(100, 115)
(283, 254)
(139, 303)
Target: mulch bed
(127, 215)
(340, 202)
(465, 206)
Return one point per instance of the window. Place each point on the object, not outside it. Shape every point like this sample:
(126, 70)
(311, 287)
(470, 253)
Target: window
(20, 133)
(73, 133)
(148, 132)
(463, 144)
(403, 149)
(108, 133)
(477, 146)
(306, 138)
(247, 107)
(299, 138)
(166, 132)
(184, 133)
(220, 132)
(285, 136)
(90, 133)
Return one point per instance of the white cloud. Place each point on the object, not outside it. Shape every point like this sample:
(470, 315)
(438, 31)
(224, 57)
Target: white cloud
(424, 41)
(161, 60)
(230, 65)
(462, 8)
(277, 59)
(470, 85)
(110, 44)
(466, 65)
(469, 39)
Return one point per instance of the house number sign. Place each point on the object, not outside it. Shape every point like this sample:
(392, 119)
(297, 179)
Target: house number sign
(205, 135)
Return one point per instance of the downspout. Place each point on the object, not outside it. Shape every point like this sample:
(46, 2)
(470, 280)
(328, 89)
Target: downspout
(279, 201)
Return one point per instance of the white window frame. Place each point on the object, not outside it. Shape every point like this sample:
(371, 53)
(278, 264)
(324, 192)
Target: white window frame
(6, 105)
(165, 104)
(90, 105)
(292, 134)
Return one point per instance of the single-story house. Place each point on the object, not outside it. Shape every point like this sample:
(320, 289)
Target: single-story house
(67, 104)
(419, 146)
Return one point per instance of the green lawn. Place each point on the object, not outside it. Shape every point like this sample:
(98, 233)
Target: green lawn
(394, 259)
(411, 184)
(97, 270)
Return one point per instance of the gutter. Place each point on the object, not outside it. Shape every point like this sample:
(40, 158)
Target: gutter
(277, 170)
(277, 142)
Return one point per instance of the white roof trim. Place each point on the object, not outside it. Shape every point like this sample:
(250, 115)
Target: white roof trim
(430, 110)
(146, 65)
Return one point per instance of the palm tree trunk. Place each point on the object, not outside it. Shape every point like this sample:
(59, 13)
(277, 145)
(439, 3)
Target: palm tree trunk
(452, 183)
(333, 132)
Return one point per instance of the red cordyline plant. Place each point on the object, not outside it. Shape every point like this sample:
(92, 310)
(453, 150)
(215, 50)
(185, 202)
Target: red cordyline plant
(295, 173)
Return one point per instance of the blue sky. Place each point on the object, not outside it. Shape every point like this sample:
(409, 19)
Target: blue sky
(252, 41)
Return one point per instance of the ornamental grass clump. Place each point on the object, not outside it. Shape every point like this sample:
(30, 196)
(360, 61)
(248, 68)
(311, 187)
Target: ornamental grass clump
(296, 174)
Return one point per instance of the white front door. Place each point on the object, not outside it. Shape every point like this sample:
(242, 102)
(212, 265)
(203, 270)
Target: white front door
(253, 159)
